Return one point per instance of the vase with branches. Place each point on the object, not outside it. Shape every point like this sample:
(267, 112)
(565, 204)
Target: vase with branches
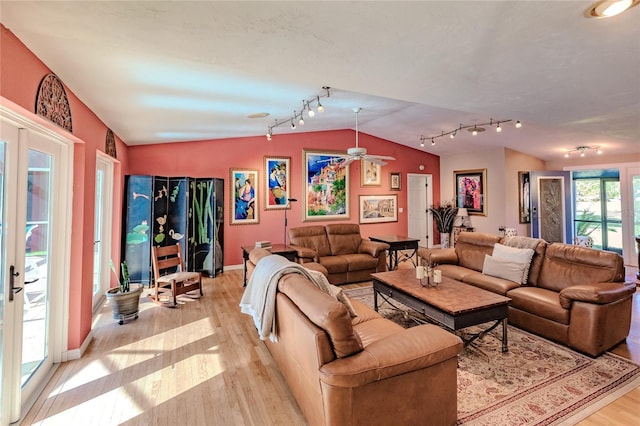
(444, 214)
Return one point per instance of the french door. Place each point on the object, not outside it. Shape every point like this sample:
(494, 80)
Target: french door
(32, 235)
(102, 228)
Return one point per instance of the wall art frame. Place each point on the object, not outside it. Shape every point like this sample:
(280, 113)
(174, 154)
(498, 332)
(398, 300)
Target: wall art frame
(378, 208)
(325, 185)
(244, 205)
(524, 197)
(277, 178)
(471, 190)
(395, 181)
(370, 173)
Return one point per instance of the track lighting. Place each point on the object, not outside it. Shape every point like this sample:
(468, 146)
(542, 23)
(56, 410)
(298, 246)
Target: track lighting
(299, 117)
(474, 129)
(422, 144)
(582, 150)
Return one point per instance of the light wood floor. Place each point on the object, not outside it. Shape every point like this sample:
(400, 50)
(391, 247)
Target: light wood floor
(200, 364)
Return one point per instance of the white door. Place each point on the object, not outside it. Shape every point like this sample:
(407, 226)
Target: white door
(102, 228)
(632, 221)
(419, 198)
(32, 238)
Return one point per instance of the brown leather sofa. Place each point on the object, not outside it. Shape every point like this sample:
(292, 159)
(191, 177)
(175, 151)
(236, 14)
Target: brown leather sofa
(347, 257)
(363, 370)
(574, 295)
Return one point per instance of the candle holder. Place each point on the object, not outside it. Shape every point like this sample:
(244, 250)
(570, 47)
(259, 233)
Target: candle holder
(428, 273)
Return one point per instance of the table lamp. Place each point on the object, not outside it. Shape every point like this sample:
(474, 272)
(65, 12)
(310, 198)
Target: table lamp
(462, 213)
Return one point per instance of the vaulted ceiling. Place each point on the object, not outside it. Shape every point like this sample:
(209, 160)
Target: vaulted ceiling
(159, 72)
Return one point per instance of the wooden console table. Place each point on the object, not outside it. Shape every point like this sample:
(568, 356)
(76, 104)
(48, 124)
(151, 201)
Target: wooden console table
(398, 243)
(281, 249)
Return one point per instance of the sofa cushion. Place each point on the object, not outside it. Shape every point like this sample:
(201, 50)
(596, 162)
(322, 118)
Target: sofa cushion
(344, 238)
(566, 265)
(540, 302)
(538, 245)
(314, 237)
(335, 264)
(517, 255)
(324, 311)
(456, 272)
(471, 248)
(487, 282)
(503, 268)
(360, 262)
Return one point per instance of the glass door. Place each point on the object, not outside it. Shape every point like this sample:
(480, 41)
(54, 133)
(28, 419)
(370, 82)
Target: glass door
(29, 166)
(102, 228)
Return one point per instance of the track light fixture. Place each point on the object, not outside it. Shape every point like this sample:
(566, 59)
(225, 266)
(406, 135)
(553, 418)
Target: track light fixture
(582, 150)
(473, 128)
(299, 117)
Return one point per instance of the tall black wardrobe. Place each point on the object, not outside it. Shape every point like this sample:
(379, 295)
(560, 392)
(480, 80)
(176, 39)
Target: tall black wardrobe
(161, 210)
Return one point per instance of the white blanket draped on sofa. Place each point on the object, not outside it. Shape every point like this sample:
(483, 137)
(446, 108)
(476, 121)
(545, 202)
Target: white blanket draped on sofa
(259, 296)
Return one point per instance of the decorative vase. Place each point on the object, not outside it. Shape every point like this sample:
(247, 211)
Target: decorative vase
(125, 305)
(444, 240)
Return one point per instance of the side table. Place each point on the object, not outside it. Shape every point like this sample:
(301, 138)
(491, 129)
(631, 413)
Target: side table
(280, 249)
(398, 243)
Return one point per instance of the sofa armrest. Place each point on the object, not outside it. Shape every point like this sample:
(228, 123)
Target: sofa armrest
(439, 256)
(599, 293)
(373, 248)
(402, 352)
(305, 254)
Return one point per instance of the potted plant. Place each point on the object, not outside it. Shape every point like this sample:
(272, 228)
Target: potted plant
(444, 214)
(124, 299)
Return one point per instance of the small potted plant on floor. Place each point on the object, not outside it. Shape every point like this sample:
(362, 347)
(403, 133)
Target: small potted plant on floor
(444, 214)
(124, 299)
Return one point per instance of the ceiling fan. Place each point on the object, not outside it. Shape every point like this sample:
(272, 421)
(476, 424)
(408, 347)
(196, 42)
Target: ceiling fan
(359, 153)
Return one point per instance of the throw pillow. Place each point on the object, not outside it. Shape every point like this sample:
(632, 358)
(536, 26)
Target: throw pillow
(517, 255)
(323, 284)
(503, 268)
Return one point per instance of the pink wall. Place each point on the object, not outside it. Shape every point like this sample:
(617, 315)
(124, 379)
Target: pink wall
(20, 76)
(215, 158)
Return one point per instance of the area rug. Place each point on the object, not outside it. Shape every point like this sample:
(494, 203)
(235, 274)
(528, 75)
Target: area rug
(537, 382)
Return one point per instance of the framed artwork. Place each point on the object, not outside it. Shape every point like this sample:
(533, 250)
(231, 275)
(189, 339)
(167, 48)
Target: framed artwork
(370, 173)
(277, 178)
(524, 197)
(243, 197)
(395, 181)
(471, 190)
(326, 186)
(378, 208)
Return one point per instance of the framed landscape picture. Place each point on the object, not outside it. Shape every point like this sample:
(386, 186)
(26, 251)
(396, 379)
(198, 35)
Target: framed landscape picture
(370, 173)
(471, 190)
(325, 185)
(378, 208)
(243, 196)
(277, 177)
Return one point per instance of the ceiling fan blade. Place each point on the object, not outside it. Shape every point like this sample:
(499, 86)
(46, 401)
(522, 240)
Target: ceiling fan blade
(378, 159)
(383, 157)
(347, 161)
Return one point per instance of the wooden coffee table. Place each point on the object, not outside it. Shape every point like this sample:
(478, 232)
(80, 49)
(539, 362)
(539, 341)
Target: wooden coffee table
(453, 305)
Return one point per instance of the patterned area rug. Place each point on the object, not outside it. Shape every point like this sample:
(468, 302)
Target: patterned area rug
(536, 383)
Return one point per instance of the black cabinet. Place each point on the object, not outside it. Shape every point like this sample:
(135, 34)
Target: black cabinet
(161, 211)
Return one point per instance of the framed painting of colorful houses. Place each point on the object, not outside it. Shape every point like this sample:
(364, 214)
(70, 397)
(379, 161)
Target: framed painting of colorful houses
(325, 186)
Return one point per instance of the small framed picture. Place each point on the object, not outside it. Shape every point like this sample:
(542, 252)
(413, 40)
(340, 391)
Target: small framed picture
(395, 181)
(277, 177)
(378, 208)
(244, 197)
(370, 173)
(524, 198)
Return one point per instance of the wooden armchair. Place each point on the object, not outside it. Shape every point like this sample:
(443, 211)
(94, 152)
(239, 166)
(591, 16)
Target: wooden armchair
(170, 276)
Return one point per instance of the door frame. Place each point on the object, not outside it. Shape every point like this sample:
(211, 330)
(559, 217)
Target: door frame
(106, 163)
(411, 204)
(59, 258)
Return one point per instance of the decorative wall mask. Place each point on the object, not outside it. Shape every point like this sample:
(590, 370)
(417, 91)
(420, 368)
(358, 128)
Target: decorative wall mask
(110, 144)
(52, 102)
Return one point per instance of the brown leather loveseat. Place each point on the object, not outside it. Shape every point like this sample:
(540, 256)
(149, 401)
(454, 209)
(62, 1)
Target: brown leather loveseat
(573, 295)
(347, 257)
(361, 370)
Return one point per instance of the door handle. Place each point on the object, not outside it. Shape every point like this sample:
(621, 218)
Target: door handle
(12, 288)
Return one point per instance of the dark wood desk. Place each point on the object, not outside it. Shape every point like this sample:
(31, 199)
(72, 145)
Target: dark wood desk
(398, 243)
(279, 249)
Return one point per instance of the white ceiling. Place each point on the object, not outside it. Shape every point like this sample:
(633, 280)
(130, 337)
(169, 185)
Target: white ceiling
(172, 71)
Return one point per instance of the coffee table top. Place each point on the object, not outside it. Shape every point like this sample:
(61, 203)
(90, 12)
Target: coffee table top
(450, 296)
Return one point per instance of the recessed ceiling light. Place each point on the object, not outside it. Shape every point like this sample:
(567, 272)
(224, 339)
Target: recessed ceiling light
(258, 115)
(609, 8)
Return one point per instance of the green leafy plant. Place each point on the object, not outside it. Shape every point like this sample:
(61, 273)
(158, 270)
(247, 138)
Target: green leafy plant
(124, 284)
(444, 214)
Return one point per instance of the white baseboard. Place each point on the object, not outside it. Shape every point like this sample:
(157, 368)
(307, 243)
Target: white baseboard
(77, 353)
